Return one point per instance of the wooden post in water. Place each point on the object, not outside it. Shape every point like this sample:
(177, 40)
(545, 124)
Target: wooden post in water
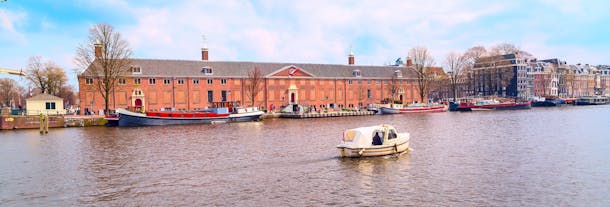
(44, 123)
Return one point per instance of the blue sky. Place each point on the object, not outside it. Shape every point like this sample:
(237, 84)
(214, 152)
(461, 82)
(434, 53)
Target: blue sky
(313, 31)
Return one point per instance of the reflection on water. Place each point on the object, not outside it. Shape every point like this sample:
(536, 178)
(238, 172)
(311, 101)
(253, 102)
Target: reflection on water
(538, 157)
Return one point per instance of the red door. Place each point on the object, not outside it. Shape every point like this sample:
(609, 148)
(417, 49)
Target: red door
(138, 103)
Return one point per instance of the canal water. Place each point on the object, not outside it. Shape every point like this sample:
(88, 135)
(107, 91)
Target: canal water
(539, 157)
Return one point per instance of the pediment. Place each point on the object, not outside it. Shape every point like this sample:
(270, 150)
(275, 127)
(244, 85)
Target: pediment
(291, 71)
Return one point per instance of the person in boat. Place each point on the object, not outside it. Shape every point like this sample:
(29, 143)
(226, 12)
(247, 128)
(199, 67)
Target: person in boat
(377, 139)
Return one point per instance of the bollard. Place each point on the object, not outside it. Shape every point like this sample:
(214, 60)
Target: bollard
(44, 124)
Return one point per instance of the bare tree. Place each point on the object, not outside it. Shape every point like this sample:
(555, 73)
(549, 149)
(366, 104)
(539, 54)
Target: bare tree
(107, 61)
(503, 48)
(393, 87)
(422, 61)
(254, 84)
(470, 57)
(9, 90)
(507, 48)
(455, 64)
(48, 77)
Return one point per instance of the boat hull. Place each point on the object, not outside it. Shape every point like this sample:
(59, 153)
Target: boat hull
(389, 110)
(245, 117)
(130, 119)
(501, 106)
(396, 148)
(592, 100)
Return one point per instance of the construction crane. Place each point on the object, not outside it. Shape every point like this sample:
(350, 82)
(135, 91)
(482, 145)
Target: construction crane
(12, 72)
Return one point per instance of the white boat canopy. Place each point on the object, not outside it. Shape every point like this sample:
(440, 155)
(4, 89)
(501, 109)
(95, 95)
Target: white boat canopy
(362, 137)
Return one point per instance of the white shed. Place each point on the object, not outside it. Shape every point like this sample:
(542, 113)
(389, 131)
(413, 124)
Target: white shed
(46, 104)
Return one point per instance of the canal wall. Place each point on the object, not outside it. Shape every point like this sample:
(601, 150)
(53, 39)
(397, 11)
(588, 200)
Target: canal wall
(33, 122)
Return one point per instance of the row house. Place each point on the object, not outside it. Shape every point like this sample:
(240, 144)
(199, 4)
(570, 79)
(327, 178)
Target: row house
(159, 85)
(545, 77)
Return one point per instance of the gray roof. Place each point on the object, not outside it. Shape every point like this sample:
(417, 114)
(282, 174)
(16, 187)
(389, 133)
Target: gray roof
(191, 68)
(44, 97)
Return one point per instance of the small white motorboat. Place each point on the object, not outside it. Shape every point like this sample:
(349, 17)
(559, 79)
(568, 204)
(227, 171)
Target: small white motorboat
(373, 141)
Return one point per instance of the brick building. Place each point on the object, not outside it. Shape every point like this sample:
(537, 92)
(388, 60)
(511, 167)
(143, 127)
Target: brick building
(501, 75)
(156, 84)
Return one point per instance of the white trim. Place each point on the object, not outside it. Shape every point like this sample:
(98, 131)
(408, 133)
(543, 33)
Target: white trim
(288, 67)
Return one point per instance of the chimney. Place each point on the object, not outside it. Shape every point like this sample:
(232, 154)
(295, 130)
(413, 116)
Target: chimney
(204, 50)
(350, 58)
(409, 62)
(204, 54)
(98, 49)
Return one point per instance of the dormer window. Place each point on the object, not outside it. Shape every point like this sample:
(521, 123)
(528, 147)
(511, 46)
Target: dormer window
(136, 70)
(207, 71)
(398, 74)
(356, 73)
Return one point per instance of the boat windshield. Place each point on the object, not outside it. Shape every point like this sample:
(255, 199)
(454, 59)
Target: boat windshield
(349, 135)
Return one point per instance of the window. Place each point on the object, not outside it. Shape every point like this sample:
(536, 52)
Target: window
(121, 81)
(223, 96)
(167, 81)
(350, 82)
(152, 81)
(137, 81)
(398, 74)
(369, 82)
(89, 81)
(392, 134)
(377, 81)
(210, 81)
(210, 96)
(206, 70)
(195, 81)
(223, 81)
(50, 105)
(136, 70)
(356, 73)
(368, 93)
(180, 81)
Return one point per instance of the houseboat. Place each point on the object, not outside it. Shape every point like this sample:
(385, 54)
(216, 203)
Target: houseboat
(373, 141)
(158, 118)
(592, 100)
(486, 105)
(548, 102)
(412, 108)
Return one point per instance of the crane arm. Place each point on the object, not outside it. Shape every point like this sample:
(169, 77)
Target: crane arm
(12, 72)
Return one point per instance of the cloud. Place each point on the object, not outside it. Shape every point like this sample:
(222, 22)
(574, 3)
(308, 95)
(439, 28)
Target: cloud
(9, 23)
(316, 31)
(301, 31)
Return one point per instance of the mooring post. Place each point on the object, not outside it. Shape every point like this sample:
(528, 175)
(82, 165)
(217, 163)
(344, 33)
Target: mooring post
(44, 124)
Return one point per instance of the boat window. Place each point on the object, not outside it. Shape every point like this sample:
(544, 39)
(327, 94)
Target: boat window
(377, 138)
(392, 134)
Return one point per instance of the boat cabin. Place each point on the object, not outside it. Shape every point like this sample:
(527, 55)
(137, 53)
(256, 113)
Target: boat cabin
(369, 136)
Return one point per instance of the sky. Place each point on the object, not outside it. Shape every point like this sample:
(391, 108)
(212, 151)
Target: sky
(313, 31)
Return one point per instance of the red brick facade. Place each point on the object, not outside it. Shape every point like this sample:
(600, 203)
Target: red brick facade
(164, 92)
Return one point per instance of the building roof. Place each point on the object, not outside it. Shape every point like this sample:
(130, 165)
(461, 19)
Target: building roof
(192, 68)
(43, 97)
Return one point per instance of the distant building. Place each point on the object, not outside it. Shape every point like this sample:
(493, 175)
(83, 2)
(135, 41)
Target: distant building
(501, 75)
(156, 85)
